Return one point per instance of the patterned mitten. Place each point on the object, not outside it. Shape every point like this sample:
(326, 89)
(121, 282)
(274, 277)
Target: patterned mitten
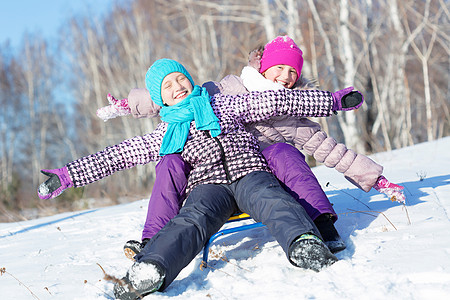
(392, 190)
(117, 108)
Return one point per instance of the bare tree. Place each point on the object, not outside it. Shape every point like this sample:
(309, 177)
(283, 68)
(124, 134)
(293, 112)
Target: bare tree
(395, 52)
(37, 92)
(8, 129)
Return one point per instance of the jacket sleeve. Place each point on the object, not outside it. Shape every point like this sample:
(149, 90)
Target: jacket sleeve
(139, 150)
(357, 168)
(229, 85)
(308, 136)
(258, 106)
(141, 104)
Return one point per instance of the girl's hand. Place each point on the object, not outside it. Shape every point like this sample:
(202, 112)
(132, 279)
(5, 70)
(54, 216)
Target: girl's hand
(254, 58)
(347, 99)
(116, 108)
(392, 190)
(59, 181)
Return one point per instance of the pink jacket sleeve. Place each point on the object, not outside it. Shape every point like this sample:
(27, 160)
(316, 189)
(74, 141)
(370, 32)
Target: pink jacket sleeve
(357, 168)
(229, 85)
(308, 136)
(141, 104)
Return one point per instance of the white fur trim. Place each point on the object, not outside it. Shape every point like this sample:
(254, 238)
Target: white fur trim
(255, 81)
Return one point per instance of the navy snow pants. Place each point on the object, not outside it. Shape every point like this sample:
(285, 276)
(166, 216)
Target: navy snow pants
(207, 209)
(286, 162)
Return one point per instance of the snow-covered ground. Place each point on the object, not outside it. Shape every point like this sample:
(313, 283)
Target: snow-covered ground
(393, 252)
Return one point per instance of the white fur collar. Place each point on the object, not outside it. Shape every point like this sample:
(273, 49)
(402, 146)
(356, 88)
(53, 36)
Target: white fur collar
(255, 81)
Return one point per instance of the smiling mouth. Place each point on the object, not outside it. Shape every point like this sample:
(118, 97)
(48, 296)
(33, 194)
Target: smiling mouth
(181, 95)
(283, 83)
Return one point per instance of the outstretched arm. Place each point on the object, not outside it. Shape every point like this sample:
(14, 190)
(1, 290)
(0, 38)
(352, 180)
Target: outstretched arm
(258, 106)
(138, 104)
(139, 150)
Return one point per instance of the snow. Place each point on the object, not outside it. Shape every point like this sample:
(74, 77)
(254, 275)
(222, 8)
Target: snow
(393, 251)
(144, 272)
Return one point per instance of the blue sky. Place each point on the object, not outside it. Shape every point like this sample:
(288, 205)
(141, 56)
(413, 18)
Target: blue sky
(42, 16)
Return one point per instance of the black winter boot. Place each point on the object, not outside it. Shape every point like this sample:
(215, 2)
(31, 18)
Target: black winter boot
(330, 236)
(132, 247)
(309, 252)
(142, 279)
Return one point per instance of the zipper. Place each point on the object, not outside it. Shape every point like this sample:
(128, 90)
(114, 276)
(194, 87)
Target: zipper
(222, 157)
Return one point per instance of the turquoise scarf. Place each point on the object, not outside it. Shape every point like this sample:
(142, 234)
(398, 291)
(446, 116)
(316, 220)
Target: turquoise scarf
(196, 107)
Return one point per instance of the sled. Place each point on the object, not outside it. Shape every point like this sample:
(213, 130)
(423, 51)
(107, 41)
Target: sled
(235, 218)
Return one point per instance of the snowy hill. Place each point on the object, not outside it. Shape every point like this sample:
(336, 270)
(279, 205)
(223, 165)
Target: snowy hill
(393, 252)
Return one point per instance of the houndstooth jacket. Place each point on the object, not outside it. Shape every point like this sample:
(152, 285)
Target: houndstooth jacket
(223, 159)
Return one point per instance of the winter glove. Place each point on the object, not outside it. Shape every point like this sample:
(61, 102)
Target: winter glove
(117, 108)
(347, 99)
(254, 58)
(392, 190)
(59, 181)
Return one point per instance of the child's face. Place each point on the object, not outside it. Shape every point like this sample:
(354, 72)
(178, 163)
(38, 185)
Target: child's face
(174, 88)
(282, 74)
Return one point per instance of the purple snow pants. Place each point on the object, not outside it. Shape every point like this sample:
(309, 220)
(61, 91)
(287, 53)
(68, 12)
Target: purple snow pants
(289, 166)
(169, 192)
(286, 162)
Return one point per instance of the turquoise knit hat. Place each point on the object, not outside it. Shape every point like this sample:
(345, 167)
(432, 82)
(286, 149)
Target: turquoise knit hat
(156, 74)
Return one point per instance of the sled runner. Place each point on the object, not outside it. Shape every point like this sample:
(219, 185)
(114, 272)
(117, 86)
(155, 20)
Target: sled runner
(235, 218)
(132, 247)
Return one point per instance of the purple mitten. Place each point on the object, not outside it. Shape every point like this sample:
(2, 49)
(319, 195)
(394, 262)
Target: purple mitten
(59, 181)
(347, 99)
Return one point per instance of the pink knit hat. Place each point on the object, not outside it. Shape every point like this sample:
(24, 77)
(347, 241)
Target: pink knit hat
(282, 50)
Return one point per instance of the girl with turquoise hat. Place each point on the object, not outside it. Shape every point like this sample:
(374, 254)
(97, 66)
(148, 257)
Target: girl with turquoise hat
(277, 66)
(228, 173)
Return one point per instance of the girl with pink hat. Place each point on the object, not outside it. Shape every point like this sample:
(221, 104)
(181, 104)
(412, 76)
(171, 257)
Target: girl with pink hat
(229, 173)
(277, 66)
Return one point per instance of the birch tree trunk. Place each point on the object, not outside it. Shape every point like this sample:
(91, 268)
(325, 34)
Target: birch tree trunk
(424, 57)
(36, 79)
(267, 19)
(29, 81)
(348, 120)
(400, 94)
(327, 44)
